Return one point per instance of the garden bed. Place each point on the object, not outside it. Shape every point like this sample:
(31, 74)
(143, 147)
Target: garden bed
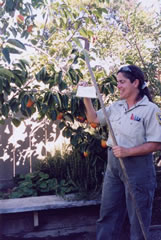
(56, 218)
(40, 217)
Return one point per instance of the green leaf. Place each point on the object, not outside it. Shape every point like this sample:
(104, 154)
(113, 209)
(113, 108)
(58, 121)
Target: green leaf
(42, 75)
(90, 33)
(6, 86)
(14, 105)
(46, 97)
(69, 117)
(77, 24)
(1, 85)
(6, 54)
(10, 6)
(61, 125)
(24, 101)
(51, 101)
(1, 98)
(5, 110)
(104, 9)
(73, 105)
(34, 42)
(58, 77)
(62, 85)
(65, 100)
(17, 81)
(75, 140)
(73, 76)
(17, 194)
(86, 54)
(51, 82)
(16, 122)
(67, 132)
(6, 72)
(78, 42)
(13, 30)
(79, 73)
(13, 50)
(43, 185)
(57, 100)
(17, 43)
(44, 175)
(53, 115)
(98, 12)
(83, 32)
(24, 62)
(44, 108)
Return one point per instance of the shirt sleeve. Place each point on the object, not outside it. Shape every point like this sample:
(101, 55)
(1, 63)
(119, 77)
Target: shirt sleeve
(153, 125)
(101, 117)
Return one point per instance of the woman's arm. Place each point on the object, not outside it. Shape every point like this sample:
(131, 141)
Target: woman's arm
(90, 111)
(143, 149)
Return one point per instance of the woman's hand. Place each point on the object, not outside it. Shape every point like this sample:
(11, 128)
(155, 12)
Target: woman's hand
(140, 150)
(120, 152)
(83, 84)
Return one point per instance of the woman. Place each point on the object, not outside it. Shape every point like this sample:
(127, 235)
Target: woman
(136, 123)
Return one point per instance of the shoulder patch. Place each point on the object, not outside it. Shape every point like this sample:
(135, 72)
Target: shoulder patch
(158, 116)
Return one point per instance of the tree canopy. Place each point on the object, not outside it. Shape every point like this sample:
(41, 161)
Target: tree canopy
(48, 34)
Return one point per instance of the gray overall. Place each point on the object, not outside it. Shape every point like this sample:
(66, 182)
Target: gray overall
(116, 199)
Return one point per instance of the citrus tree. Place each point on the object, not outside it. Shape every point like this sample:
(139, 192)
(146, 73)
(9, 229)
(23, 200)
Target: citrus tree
(50, 32)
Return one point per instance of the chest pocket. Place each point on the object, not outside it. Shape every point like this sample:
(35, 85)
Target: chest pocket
(135, 128)
(115, 121)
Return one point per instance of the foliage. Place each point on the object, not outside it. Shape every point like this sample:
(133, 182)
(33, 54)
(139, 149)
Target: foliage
(38, 184)
(62, 174)
(50, 79)
(84, 172)
(117, 33)
(58, 64)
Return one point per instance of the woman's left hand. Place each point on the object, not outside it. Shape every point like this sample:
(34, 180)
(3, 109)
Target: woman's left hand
(120, 152)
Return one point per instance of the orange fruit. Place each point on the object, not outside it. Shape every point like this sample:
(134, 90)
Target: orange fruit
(80, 119)
(94, 125)
(59, 116)
(29, 103)
(103, 143)
(29, 28)
(94, 38)
(85, 154)
(20, 18)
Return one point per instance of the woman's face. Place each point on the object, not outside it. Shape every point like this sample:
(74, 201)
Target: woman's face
(125, 87)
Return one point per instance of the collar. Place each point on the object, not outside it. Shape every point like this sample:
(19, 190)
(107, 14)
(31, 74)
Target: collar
(143, 102)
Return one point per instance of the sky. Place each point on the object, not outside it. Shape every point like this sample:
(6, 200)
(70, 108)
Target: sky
(156, 4)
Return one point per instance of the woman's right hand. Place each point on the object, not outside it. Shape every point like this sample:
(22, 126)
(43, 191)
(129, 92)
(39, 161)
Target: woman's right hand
(83, 84)
(90, 111)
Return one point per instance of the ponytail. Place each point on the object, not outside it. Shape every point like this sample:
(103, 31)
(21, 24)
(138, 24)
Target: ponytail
(146, 92)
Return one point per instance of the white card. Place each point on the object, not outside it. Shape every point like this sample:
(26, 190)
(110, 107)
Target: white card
(87, 92)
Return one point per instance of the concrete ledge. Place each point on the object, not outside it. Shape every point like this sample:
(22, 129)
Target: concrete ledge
(42, 203)
(53, 216)
(39, 217)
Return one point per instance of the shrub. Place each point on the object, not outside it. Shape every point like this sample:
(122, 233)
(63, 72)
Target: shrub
(68, 172)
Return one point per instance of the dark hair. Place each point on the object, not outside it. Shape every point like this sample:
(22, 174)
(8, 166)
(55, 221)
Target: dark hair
(133, 72)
